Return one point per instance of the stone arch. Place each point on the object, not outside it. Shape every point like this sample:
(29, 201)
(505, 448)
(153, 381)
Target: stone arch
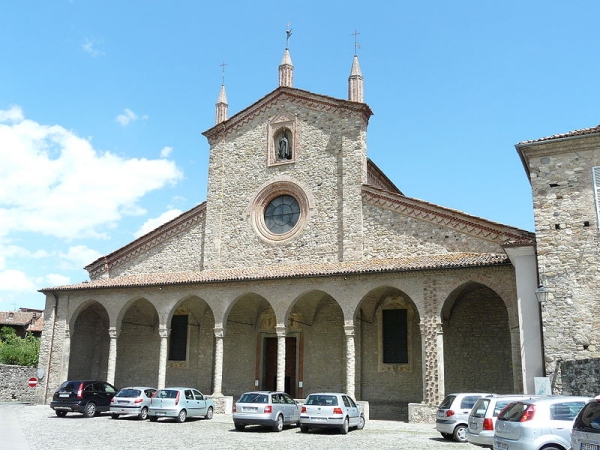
(477, 341)
(89, 341)
(387, 385)
(316, 319)
(191, 321)
(247, 319)
(138, 344)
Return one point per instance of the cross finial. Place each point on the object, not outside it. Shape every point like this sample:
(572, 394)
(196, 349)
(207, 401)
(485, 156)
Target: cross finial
(356, 46)
(288, 33)
(223, 64)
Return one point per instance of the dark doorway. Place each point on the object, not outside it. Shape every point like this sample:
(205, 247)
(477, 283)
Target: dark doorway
(269, 381)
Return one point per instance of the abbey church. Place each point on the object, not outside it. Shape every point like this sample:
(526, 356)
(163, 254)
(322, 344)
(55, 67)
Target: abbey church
(306, 269)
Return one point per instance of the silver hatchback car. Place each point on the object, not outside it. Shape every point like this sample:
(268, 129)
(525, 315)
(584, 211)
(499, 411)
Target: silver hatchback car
(331, 410)
(532, 424)
(453, 414)
(265, 408)
(180, 403)
(132, 400)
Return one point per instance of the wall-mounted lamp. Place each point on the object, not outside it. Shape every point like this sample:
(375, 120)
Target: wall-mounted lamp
(541, 293)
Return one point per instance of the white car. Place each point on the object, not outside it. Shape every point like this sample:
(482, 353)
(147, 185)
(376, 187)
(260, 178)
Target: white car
(543, 422)
(132, 400)
(331, 410)
(453, 414)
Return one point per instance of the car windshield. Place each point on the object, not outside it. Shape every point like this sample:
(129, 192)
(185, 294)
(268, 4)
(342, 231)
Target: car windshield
(480, 407)
(167, 393)
(69, 386)
(129, 393)
(589, 419)
(447, 402)
(500, 405)
(513, 412)
(322, 400)
(254, 397)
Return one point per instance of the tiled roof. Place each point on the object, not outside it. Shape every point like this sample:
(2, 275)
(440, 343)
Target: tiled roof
(416, 263)
(22, 319)
(575, 133)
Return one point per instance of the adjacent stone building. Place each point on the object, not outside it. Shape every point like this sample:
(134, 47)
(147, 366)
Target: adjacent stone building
(306, 269)
(564, 171)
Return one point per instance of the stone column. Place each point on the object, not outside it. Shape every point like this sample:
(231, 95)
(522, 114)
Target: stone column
(350, 361)
(66, 356)
(162, 356)
(113, 333)
(218, 369)
(280, 357)
(432, 341)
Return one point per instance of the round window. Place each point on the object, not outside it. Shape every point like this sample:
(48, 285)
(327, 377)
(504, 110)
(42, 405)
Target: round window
(282, 214)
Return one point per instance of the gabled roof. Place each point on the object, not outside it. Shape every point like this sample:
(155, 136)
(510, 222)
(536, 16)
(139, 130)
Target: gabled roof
(449, 218)
(290, 95)
(570, 134)
(31, 321)
(388, 265)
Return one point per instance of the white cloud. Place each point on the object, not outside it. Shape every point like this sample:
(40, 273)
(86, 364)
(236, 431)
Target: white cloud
(14, 114)
(165, 152)
(128, 116)
(54, 279)
(15, 280)
(80, 256)
(55, 183)
(89, 47)
(152, 224)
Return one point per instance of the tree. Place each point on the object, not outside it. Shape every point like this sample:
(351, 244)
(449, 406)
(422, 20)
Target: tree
(18, 351)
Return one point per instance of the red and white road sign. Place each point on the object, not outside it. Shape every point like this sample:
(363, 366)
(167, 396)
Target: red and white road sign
(32, 382)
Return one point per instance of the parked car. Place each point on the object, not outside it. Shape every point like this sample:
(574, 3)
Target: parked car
(482, 418)
(132, 400)
(331, 410)
(585, 434)
(88, 397)
(273, 409)
(539, 422)
(180, 403)
(453, 414)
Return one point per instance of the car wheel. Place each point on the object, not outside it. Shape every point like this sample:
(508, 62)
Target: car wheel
(209, 413)
(90, 410)
(182, 416)
(344, 429)
(239, 426)
(279, 424)
(153, 418)
(447, 436)
(143, 414)
(114, 416)
(60, 413)
(460, 433)
(303, 429)
(361, 423)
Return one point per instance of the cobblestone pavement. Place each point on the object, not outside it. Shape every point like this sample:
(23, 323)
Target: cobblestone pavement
(43, 430)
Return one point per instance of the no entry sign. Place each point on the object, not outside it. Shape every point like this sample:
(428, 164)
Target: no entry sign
(32, 382)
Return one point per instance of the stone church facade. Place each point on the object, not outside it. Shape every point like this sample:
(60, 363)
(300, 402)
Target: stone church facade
(306, 269)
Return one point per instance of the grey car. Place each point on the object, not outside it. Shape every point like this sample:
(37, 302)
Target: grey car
(132, 400)
(533, 424)
(585, 434)
(331, 410)
(453, 414)
(180, 403)
(482, 419)
(265, 408)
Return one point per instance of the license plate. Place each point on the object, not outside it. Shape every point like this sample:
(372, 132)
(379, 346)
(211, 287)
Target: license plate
(248, 409)
(318, 419)
(160, 413)
(123, 403)
(63, 395)
(501, 445)
(589, 447)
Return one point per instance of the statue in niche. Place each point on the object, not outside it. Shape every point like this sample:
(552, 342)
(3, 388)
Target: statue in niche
(284, 150)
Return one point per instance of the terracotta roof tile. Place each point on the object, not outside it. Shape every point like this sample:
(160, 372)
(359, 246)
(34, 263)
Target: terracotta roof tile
(582, 132)
(427, 262)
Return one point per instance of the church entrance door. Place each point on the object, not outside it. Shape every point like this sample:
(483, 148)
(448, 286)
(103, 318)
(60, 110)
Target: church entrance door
(269, 381)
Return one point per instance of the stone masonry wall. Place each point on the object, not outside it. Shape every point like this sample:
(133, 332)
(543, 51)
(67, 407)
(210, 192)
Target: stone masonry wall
(13, 383)
(581, 377)
(567, 245)
(330, 166)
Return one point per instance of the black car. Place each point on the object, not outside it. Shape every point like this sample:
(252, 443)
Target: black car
(88, 397)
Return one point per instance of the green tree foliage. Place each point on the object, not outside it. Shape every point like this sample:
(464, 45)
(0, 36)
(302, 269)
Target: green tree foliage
(18, 351)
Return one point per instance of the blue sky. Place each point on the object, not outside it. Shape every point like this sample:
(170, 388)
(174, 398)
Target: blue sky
(102, 106)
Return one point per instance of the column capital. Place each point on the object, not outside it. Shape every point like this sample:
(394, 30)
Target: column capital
(281, 330)
(113, 332)
(219, 332)
(164, 332)
(349, 330)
